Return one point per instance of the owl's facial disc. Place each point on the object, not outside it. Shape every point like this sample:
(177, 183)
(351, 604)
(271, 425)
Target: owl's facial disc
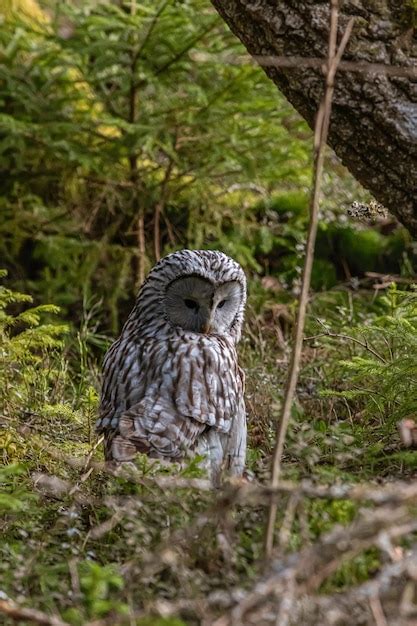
(195, 304)
(226, 301)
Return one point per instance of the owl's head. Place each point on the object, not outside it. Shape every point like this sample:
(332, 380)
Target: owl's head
(201, 291)
(202, 305)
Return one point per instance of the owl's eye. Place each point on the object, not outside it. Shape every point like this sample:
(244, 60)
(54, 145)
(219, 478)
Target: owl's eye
(221, 304)
(191, 304)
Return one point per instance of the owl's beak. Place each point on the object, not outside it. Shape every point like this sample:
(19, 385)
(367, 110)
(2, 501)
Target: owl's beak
(208, 323)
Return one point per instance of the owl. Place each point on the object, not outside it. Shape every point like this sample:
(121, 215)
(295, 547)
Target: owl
(172, 387)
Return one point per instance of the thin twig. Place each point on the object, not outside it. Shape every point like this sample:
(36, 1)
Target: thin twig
(363, 344)
(377, 611)
(20, 614)
(288, 521)
(298, 62)
(320, 138)
(312, 565)
(346, 66)
(160, 206)
(141, 247)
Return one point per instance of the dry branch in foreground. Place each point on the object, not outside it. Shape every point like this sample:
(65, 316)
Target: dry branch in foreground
(291, 584)
(24, 614)
(321, 130)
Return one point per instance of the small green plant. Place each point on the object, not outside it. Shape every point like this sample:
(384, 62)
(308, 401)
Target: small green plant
(376, 380)
(14, 496)
(97, 584)
(30, 369)
(384, 369)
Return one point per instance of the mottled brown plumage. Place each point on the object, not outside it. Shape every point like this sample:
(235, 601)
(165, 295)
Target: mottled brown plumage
(172, 386)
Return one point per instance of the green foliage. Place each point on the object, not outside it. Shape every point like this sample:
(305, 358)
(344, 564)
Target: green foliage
(97, 582)
(30, 346)
(14, 496)
(325, 514)
(120, 113)
(381, 371)
(116, 117)
(369, 349)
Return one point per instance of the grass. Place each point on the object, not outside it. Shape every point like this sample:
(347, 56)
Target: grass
(89, 546)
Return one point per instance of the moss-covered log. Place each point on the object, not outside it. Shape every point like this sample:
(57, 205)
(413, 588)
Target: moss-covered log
(374, 122)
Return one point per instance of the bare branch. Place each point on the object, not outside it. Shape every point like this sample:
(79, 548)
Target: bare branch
(298, 62)
(320, 138)
(19, 614)
(363, 344)
(312, 565)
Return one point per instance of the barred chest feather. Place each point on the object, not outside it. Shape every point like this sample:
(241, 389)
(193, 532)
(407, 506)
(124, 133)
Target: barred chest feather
(195, 376)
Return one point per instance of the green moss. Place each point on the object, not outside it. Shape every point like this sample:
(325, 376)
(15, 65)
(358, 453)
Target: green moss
(353, 571)
(361, 249)
(409, 16)
(294, 203)
(324, 275)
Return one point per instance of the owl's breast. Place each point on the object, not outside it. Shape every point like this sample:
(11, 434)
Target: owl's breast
(208, 386)
(195, 376)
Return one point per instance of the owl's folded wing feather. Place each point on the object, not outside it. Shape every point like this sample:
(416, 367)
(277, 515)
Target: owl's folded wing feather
(155, 430)
(158, 397)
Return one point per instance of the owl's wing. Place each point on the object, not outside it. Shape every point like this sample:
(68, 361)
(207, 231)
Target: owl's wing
(159, 396)
(126, 370)
(156, 430)
(137, 409)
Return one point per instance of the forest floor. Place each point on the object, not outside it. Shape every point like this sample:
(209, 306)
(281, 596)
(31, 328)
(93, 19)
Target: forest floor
(159, 547)
(81, 546)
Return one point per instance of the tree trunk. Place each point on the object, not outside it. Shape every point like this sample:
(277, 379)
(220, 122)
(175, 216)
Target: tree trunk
(374, 121)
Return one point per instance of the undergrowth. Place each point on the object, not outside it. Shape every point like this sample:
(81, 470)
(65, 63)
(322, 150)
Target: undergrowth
(369, 382)
(88, 545)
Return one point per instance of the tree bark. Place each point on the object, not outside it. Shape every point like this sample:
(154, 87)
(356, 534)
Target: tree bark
(373, 128)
